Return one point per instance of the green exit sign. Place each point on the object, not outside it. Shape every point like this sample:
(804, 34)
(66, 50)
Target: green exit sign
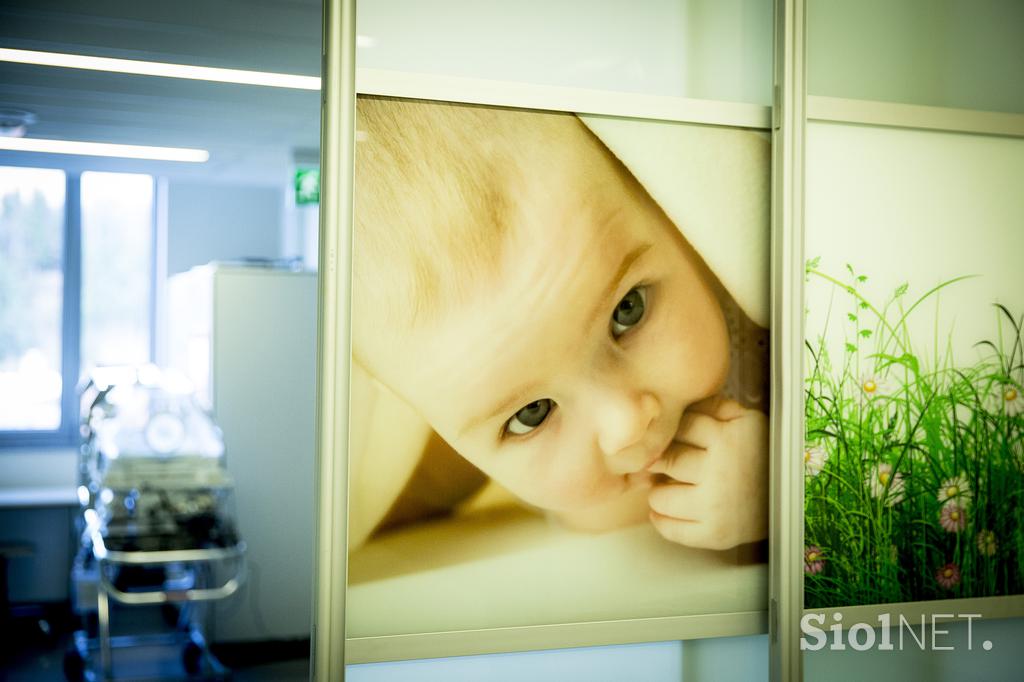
(307, 186)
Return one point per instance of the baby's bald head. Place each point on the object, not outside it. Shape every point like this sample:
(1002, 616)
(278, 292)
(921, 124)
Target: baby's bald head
(437, 186)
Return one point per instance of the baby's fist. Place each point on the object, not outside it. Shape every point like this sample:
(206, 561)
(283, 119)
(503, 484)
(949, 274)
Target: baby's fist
(716, 496)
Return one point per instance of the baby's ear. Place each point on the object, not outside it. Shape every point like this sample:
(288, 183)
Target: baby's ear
(717, 406)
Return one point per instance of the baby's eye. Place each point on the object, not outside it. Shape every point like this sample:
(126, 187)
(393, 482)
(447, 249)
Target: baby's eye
(629, 311)
(530, 417)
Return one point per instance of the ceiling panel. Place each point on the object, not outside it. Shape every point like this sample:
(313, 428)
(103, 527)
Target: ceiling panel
(263, 35)
(250, 131)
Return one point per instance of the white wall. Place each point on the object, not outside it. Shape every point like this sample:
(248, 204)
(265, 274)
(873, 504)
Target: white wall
(219, 222)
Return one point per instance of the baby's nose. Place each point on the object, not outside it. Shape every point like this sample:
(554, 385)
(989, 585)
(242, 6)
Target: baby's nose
(624, 420)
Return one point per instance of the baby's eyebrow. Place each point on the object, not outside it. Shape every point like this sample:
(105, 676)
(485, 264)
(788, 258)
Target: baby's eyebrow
(613, 284)
(516, 399)
(520, 396)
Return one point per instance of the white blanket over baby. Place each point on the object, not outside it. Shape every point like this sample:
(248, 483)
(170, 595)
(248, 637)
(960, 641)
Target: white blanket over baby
(714, 183)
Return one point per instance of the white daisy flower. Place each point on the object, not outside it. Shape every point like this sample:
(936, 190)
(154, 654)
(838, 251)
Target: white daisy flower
(815, 457)
(1011, 399)
(956, 489)
(882, 476)
(871, 385)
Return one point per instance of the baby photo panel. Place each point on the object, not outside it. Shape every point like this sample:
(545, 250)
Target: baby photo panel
(559, 389)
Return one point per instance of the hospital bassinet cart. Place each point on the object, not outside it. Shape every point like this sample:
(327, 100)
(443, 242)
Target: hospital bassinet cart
(156, 527)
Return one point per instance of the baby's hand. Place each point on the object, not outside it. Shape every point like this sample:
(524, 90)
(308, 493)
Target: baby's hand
(717, 495)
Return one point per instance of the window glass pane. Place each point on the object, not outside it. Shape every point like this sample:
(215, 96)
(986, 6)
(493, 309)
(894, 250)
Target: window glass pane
(117, 268)
(31, 294)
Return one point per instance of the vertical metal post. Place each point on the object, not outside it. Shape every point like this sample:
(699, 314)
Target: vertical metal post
(337, 153)
(158, 310)
(787, 494)
(72, 311)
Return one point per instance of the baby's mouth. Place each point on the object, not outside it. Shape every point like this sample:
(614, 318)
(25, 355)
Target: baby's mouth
(644, 476)
(646, 468)
(638, 479)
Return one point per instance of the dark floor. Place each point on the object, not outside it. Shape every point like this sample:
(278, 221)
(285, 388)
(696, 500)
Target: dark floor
(34, 648)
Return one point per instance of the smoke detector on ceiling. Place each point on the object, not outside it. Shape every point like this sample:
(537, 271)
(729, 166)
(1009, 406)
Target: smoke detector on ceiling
(15, 122)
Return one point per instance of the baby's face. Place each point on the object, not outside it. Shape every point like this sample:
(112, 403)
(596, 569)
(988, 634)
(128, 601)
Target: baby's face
(565, 376)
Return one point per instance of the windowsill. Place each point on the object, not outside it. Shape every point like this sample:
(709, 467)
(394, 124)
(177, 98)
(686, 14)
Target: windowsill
(31, 498)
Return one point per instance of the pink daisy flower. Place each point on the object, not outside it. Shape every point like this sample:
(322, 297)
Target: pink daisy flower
(814, 559)
(953, 517)
(948, 576)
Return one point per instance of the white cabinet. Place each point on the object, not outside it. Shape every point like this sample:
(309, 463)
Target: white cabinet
(246, 336)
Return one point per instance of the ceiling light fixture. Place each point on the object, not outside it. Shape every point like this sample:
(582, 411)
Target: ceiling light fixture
(142, 68)
(15, 122)
(126, 151)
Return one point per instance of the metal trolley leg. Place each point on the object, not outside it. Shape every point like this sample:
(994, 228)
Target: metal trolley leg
(103, 616)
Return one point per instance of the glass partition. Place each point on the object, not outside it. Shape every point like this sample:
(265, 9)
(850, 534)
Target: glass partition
(962, 54)
(695, 48)
(674, 96)
(914, 313)
(150, 214)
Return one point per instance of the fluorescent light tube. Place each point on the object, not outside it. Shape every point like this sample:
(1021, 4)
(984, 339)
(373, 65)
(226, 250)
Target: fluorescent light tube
(135, 66)
(127, 151)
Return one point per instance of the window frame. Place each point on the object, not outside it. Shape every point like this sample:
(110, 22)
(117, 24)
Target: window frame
(67, 434)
